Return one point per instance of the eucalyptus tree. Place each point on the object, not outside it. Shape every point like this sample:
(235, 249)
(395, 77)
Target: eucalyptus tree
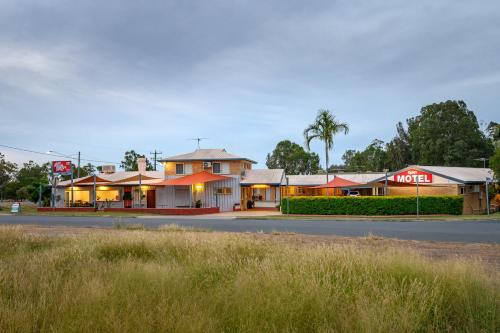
(324, 128)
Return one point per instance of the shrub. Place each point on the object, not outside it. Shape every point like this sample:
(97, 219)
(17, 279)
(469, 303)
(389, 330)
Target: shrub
(397, 205)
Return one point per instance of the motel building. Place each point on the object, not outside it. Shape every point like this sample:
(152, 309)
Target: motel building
(213, 180)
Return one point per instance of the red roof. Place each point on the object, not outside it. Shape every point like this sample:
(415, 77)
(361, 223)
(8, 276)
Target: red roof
(200, 177)
(337, 182)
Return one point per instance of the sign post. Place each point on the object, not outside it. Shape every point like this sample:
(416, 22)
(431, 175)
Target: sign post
(61, 168)
(418, 210)
(487, 197)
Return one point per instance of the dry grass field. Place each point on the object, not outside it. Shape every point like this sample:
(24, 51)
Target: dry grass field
(178, 280)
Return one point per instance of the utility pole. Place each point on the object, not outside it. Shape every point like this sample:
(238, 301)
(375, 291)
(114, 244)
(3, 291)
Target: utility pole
(78, 170)
(155, 153)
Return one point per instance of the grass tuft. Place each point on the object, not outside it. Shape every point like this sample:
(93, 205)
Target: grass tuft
(211, 282)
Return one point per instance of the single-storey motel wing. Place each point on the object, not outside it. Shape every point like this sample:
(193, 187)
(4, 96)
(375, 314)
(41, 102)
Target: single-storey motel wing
(219, 181)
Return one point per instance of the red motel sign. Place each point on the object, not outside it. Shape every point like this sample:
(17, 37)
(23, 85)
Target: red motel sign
(61, 167)
(411, 176)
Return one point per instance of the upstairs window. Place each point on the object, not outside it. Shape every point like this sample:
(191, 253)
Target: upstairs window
(216, 167)
(179, 169)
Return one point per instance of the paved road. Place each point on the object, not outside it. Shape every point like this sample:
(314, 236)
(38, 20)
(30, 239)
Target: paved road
(457, 231)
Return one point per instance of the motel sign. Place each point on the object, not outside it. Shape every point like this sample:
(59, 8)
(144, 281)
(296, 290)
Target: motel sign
(61, 167)
(411, 176)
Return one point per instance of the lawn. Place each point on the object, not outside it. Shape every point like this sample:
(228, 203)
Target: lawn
(178, 280)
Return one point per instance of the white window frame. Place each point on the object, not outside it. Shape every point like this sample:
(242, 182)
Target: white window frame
(188, 169)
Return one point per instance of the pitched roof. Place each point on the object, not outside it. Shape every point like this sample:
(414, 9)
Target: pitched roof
(462, 175)
(314, 180)
(206, 155)
(338, 182)
(129, 177)
(263, 176)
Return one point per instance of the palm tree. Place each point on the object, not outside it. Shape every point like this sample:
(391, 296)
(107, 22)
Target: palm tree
(324, 128)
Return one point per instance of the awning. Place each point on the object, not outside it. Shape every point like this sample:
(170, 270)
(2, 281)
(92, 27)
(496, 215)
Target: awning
(337, 182)
(90, 180)
(197, 178)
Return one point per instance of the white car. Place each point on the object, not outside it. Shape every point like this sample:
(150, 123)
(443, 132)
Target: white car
(353, 193)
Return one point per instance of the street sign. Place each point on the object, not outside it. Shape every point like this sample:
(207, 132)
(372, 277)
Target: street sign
(61, 167)
(412, 176)
(15, 208)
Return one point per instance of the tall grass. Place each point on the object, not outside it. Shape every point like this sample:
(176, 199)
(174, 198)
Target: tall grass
(135, 281)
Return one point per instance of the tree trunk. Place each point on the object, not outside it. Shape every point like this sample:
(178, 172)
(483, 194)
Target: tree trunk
(326, 158)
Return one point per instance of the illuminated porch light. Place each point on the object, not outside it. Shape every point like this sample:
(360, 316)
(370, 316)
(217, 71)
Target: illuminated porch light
(198, 187)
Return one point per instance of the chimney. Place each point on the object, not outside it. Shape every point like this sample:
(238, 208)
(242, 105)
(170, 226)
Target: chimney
(141, 164)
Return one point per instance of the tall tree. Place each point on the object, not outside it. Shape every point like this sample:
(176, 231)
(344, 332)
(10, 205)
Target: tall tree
(293, 158)
(373, 158)
(129, 162)
(398, 150)
(7, 173)
(447, 134)
(324, 128)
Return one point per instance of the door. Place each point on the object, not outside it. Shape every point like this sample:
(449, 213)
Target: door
(151, 199)
(182, 197)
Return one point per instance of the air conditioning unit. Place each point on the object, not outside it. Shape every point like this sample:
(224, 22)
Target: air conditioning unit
(108, 169)
(207, 165)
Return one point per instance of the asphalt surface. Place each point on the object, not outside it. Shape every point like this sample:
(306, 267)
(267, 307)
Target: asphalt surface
(445, 231)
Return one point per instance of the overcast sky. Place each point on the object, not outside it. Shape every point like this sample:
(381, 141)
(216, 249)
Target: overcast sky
(103, 77)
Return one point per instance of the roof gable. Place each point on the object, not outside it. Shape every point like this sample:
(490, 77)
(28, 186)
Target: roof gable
(206, 155)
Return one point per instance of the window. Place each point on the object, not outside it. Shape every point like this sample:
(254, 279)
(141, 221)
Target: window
(188, 169)
(108, 195)
(179, 169)
(300, 190)
(80, 196)
(462, 190)
(224, 190)
(225, 169)
(216, 168)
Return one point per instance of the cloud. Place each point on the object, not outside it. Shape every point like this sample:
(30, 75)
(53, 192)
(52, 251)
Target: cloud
(108, 76)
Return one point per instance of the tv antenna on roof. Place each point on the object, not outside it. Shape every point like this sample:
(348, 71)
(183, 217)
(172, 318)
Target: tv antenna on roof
(198, 140)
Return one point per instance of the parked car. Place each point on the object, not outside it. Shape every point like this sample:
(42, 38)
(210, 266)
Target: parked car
(353, 193)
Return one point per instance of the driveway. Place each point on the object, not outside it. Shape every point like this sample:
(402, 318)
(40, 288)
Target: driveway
(447, 231)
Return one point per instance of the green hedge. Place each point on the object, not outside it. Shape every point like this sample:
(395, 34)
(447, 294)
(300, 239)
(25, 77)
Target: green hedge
(397, 205)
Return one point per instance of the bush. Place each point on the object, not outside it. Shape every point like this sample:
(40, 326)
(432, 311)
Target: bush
(397, 205)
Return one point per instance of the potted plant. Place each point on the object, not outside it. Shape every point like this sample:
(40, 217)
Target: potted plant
(197, 204)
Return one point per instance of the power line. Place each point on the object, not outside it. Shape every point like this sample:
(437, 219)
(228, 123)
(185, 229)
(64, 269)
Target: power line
(57, 155)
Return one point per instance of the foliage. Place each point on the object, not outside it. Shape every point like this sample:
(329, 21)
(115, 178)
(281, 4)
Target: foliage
(495, 163)
(293, 159)
(24, 185)
(398, 150)
(447, 134)
(129, 162)
(171, 281)
(7, 172)
(324, 128)
(444, 133)
(394, 205)
(373, 158)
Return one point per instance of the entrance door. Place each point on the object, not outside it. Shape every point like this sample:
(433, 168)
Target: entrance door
(182, 197)
(151, 199)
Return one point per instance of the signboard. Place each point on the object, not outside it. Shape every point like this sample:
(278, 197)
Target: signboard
(411, 176)
(61, 167)
(15, 208)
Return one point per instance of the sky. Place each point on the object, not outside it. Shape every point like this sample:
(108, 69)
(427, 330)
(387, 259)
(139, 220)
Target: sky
(103, 77)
